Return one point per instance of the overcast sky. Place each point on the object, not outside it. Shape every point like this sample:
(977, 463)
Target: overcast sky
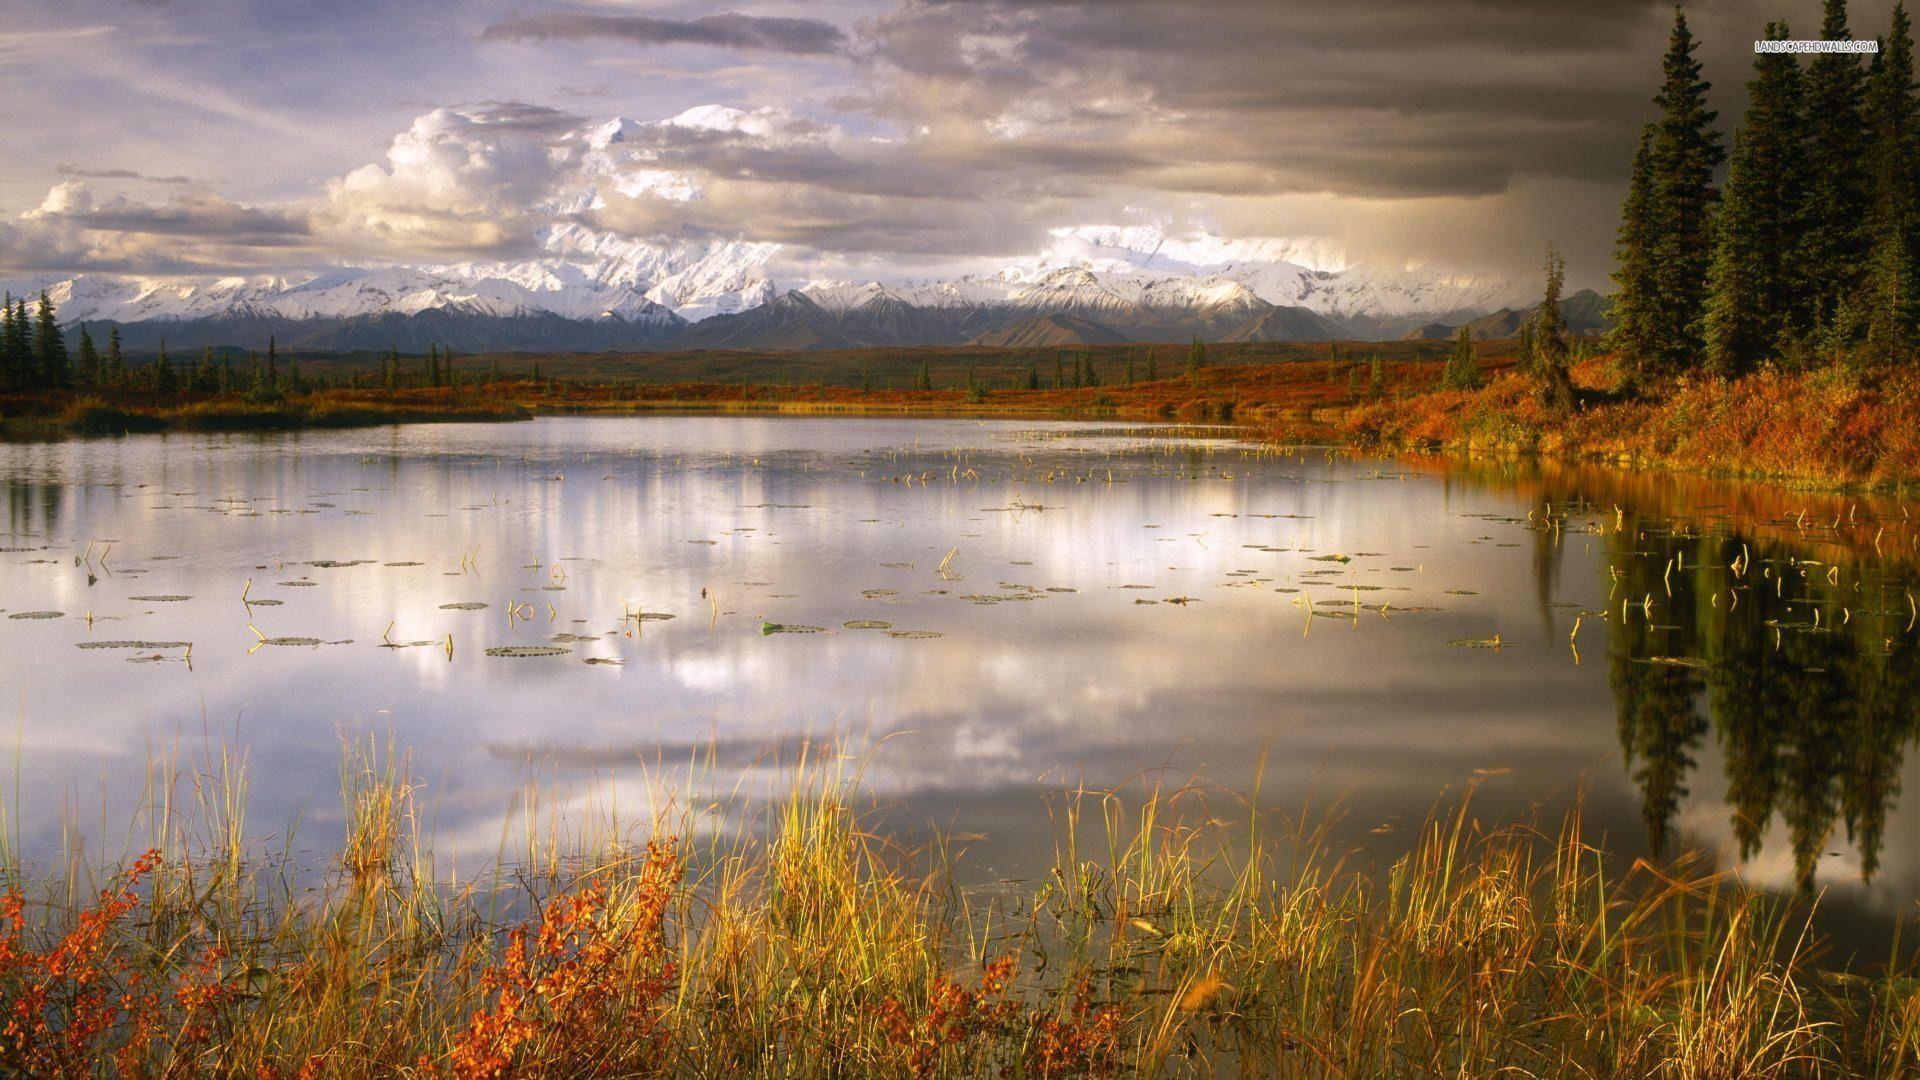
(254, 135)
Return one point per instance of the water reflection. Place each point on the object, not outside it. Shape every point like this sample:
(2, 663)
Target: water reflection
(1113, 604)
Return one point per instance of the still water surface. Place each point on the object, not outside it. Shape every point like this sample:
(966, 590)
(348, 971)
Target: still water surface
(1030, 606)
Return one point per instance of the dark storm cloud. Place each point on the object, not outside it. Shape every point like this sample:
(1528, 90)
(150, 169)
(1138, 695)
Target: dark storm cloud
(521, 116)
(82, 172)
(1394, 98)
(188, 217)
(800, 37)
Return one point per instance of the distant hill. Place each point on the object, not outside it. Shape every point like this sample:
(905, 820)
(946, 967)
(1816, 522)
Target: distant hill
(1050, 331)
(1585, 312)
(1287, 324)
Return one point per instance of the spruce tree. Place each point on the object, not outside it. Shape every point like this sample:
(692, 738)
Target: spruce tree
(433, 365)
(207, 379)
(1684, 154)
(1463, 367)
(29, 367)
(1093, 374)
(163, 381)
(1833, 239)
(1632, 308)
(1196, 358)
(925, 380)
(116, 362)
(1059, 375)
(1033, 376)
(225, 383)
(390, 369)
(50, 347)
(1550, 339)
(1894, 263)
(10, 360)
(1753, 311)
(1153, 366)
(87, 364)
(1128, 376)
(273, 363)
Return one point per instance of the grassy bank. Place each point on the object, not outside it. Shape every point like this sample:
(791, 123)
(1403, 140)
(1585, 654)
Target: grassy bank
(126, 412)
(1833, 427)
(1836, 426)
(1168, 938)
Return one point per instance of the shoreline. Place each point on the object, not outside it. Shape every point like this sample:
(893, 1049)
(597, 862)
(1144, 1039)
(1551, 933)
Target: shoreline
(1832, 429)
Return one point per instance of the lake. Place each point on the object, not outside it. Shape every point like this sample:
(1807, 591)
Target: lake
(982, 611)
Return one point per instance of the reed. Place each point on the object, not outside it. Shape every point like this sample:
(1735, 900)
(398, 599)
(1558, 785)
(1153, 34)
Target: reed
(1179, 932)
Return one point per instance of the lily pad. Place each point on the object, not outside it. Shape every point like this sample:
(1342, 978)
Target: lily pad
(37, 615)
(868, 624)
(168, 598)
(527, 650)
(915, 634)
(789, 628)
(132, 644)
(464, 605)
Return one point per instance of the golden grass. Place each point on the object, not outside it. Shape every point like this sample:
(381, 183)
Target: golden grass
(1167, 939)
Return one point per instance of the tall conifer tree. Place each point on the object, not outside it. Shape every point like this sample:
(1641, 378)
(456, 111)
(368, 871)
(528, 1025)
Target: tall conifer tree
(1893, 267)
(1632, 335)
(1685, 152)
(1833, 247)
(1752, 305)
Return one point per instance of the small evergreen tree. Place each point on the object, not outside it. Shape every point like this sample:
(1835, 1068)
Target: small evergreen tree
(11, 376)
(1153, 366)
(1059, 374)
(1033, 376)
(225, 383)
(1463, 366)
(163, 379)
(925, 379)
(1550, 339)
(390, 370)
(50, 360)
(19, 345)
(207, 378)
(273, 363)
(1093, 374)
(1128, 376)
(1196, 359)
(87, 364)
(116, 363)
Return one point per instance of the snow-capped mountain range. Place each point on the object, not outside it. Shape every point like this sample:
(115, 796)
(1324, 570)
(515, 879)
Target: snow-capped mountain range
(589, 288)
(605, 292)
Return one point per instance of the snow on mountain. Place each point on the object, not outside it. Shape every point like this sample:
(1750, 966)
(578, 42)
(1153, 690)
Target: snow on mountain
(1133, 274)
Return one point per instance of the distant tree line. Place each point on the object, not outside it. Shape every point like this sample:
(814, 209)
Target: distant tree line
(1811, 250)
(34, 356)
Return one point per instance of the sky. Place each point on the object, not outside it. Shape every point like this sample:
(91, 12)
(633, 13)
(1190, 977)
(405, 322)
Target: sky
(875, 137)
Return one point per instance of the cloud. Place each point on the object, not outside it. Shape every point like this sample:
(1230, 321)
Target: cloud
(73, 230)
(794, 36)
(68, 169)
(456, 182)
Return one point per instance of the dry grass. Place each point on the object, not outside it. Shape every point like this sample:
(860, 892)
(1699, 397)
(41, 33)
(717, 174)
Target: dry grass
(1167, 939)
(1833, 426)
